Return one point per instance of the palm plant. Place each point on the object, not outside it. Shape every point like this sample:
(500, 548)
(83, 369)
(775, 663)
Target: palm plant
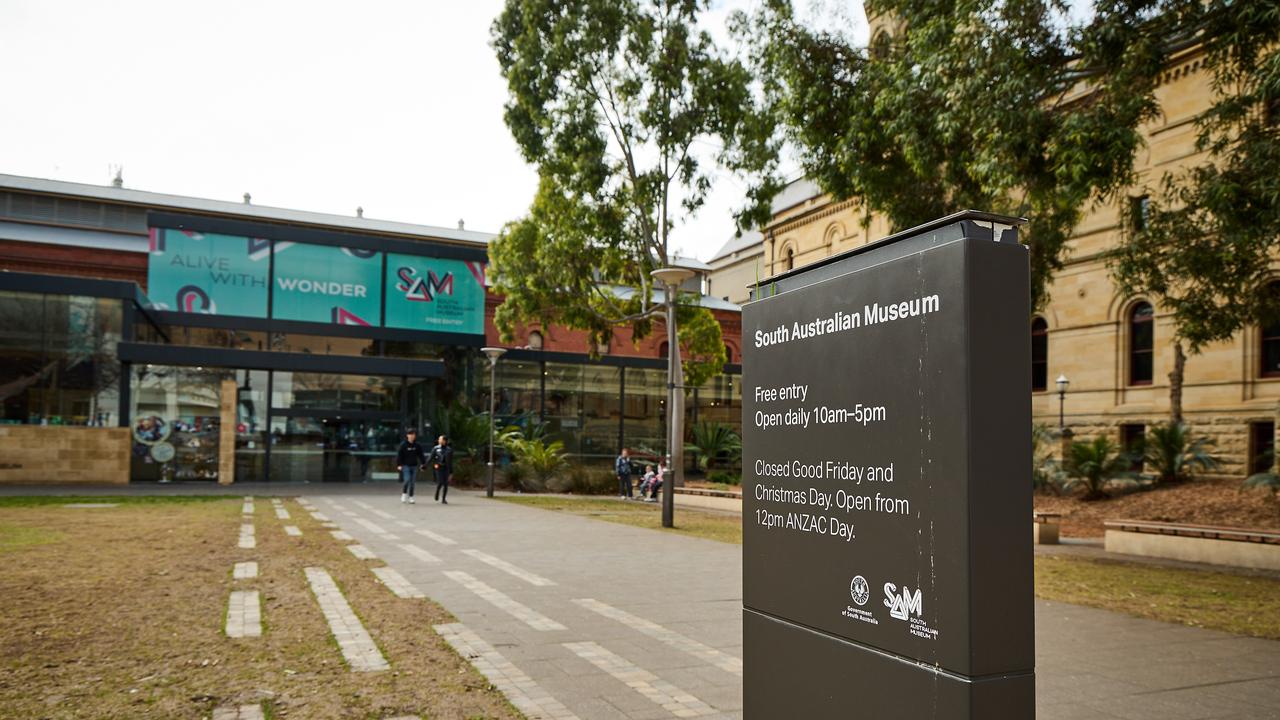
(711, 441)
(1094, 465)
(541, 459)
(1046, 472)
(467, 430)
(1175, 454)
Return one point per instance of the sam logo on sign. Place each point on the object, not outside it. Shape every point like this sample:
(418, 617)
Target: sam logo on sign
(420, 289)
(902, 605)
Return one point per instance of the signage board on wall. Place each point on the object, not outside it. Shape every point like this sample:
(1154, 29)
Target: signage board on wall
(208, 273)
(326, 284)
(426, 293)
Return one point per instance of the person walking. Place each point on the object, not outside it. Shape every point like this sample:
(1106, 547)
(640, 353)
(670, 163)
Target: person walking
(622, 468)
(442, 466)
(409, 458)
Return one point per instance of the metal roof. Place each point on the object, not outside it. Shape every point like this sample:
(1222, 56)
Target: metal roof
(75, 237)
(260, 212)
(738, 243)
(796, 192)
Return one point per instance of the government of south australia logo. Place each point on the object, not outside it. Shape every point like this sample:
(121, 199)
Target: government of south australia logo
(860, 590)
(902, 604)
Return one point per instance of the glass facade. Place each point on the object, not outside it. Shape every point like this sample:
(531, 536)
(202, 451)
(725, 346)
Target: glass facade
(58, 361)
(329, 391)
(176, 420)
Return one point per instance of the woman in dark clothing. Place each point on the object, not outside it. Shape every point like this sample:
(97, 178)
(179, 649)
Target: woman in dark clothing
(442, 465)
(409, 458)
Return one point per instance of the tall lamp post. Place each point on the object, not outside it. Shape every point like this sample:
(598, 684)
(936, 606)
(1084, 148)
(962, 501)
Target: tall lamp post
(1063, 382)
(671, 277)
(493, 353)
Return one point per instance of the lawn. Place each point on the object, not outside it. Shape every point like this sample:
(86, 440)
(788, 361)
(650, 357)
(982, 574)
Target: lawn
(118, 612)
(724, 527)
(1241, 604)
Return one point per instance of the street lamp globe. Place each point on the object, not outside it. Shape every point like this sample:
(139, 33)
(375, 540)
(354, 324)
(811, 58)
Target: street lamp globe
(671, 275)
(493, 353)
(1063, 382)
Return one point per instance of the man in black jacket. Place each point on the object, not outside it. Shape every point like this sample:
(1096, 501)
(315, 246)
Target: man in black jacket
(409, 458)
(442, 466)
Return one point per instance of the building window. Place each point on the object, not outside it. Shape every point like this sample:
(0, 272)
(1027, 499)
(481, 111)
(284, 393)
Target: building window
(1141, 343)
(1133, 439)
(1262, 446)
(1270, 339)
(1140, 212)
(1039, 355)
(791, 259)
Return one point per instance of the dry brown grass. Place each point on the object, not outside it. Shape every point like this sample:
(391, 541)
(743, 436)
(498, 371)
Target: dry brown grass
(120, 614)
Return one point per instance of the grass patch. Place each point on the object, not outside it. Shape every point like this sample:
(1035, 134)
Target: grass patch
(124, 617)
(722, 527)
(1240, 604)
(13, 537)
(43, 500)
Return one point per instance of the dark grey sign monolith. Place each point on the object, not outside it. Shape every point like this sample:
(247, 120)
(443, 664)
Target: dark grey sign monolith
(886, 413)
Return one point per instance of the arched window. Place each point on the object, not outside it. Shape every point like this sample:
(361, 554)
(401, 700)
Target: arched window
(728, 353)
(1039, 355)
(1269, 335)
(662, 349)
(1142, 340)
(790, 259)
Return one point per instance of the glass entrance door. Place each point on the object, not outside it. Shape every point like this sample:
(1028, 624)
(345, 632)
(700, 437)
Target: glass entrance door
(331, 448)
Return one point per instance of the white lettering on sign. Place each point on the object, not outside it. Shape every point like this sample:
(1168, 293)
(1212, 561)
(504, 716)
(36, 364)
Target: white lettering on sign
(322, 287)
(840, 321)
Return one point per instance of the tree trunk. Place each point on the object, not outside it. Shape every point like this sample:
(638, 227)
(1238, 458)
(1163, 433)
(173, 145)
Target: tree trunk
(1175, 382)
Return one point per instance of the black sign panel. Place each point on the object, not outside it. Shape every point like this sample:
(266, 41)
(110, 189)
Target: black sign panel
(886, 456)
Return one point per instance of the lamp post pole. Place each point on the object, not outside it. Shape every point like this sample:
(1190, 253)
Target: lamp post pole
(1063, 382)
(493, 353)
(671, 277)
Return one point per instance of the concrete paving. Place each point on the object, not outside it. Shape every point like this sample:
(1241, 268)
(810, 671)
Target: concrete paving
(652, 622)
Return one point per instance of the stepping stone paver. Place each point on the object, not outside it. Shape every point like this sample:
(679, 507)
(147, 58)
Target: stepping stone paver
(292, 531)
(528, 697)
(502, 601)
(245, 570)
(362, 552)
(397, 583)
(247, 541)
(244, 614)
(357, 647)
(282, 513)
(243, 712)
(508, 568)
(419, 554)
(710, 655)
(435, 536)
(342, 535)
(661, 692)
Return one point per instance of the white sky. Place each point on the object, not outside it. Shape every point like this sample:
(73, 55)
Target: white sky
(395, 106)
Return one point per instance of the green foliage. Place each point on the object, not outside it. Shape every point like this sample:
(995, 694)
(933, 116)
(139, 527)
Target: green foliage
(724, 478)
(1174, 454)
(1203, 246)
(616, 103)
(712, 442)
(968, 105)
(1046, 472)
(1094, 465)
(467, 430)
(538, 459)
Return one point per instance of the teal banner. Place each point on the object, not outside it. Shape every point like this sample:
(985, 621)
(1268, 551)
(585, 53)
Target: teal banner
(435, 294)
(207, 273)
(326, 284)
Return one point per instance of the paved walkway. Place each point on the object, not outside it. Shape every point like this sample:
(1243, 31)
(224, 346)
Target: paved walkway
(597, 620)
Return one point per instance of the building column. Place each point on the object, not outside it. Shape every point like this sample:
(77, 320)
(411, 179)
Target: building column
(227, 432)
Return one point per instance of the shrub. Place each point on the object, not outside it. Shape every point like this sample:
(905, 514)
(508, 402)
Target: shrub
(514, 476)
(540, 459)
(585, 480)
(1269, 481)
(724, 478)
(1175, 455)
(1095, 465)
(468, 472)
(711, 442)
(1046, 472)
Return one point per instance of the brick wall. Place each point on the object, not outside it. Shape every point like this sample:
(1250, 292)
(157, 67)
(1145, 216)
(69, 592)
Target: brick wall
(64, 454)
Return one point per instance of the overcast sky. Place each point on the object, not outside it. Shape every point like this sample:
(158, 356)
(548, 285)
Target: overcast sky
(324, 106)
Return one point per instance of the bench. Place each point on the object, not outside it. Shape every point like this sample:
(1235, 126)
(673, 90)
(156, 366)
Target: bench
(707, 492)
(1045, 527)
(1213, 544)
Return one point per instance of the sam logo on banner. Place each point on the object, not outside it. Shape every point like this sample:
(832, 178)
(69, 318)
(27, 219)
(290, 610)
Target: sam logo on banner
(425, 289)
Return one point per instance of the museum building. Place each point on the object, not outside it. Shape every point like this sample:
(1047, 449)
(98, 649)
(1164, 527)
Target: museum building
(153, 337)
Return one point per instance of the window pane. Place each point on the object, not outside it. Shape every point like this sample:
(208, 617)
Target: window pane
(329, 391)
(1143, 336)
(601, 412)
(563, 408)
(178, 407)
(1271, 356)
(1140, 369)
(644, 412)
